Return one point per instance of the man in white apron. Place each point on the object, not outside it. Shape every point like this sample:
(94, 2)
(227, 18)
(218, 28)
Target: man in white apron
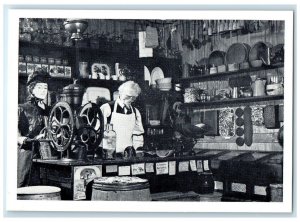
(126, 119)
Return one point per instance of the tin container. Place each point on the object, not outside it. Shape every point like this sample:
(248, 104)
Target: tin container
(43, 60)
(51, 61)
(21, 58)
(28, 58)
(57, 62)
(65, 62)
(36, 59)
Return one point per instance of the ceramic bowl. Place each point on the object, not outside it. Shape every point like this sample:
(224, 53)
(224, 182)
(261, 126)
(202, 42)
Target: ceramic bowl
(164, 80)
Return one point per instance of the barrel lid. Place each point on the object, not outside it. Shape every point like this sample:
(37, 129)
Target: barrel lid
(120, 180)
(37, 190)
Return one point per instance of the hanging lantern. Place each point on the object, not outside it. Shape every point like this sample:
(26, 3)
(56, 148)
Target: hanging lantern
(76, 27)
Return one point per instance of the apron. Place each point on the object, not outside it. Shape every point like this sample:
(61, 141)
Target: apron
(123, 125)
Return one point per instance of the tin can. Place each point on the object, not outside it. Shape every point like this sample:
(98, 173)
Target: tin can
(43, 60)
(28, 58)
(36, 59)
(51, 61)
(21, 58)
(57, 61)
(65, 62)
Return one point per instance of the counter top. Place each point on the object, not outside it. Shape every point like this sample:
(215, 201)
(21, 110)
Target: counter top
(200, 154)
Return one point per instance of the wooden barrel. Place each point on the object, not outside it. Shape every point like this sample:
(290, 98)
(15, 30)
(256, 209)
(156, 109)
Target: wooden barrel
(38, 193)
(121, 188)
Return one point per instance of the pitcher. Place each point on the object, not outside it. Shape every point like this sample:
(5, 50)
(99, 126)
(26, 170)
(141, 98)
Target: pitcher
(258, 87)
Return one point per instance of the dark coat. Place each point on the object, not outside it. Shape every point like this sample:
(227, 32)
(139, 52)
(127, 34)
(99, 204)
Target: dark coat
(30, 123)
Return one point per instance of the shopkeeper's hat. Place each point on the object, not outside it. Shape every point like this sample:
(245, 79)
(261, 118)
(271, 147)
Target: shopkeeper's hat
(39, 75)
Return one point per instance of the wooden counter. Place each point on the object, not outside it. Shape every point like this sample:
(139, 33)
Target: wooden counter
(252, 171)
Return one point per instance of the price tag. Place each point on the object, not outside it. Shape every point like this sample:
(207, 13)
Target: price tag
(199, 166)
(162, 168)
(149, 167)
(124, 170)
(172, 167)
(205, 165)
(193, 165)
(111, 168)
(138, 169)
(183, 166)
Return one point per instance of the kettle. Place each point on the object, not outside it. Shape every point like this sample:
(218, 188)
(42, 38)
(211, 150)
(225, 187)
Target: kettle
(258, 87)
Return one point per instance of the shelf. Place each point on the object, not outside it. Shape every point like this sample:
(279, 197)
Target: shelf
(226, 74)
(46, 46)
(100, 82)
(235, 102)
(64, 79)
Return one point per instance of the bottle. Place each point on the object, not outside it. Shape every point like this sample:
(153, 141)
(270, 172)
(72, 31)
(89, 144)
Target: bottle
(109, 141)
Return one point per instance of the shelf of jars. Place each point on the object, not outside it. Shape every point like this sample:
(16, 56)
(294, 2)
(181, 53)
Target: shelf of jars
(227, 73)
(236, 102)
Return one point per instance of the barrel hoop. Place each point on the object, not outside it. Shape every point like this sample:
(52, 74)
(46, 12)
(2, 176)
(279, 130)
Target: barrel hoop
(118, 187)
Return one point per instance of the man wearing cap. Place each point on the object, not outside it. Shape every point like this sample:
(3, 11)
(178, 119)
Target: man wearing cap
(31, 120)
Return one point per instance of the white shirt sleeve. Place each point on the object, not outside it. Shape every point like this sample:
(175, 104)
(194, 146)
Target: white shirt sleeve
(138, 131)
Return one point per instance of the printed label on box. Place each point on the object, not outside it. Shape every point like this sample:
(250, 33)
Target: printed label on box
(68, 71)
(124, 171)
(138, 169)
(218, 185)
(238, 187)
(199, 166)
(193, 165)
(37, 67)
(205, 165)
(22, 68)
(83, 175)
(183, 166)
(45, 67)
(149, 167)
(260, 190)
(172, 167)
(162, 168)
(111, 168)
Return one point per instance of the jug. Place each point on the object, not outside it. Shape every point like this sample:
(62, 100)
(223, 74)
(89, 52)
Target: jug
(258, 87)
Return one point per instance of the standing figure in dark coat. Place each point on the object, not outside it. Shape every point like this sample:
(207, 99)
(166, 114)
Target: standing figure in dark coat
(31, 121)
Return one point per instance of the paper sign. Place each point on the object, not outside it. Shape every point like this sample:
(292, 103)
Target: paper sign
(138, 169)
(193, 165)
(149, 168)
(111, 168)
(199, 166)
(124, 170)
(172, 167)
(205, 165)
(143, 51)
(162, 168)
(218, 185)
(183, 166)
(238, 187)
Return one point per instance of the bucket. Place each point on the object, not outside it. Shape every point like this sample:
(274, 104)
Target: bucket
(38, 193)
(121, 189)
